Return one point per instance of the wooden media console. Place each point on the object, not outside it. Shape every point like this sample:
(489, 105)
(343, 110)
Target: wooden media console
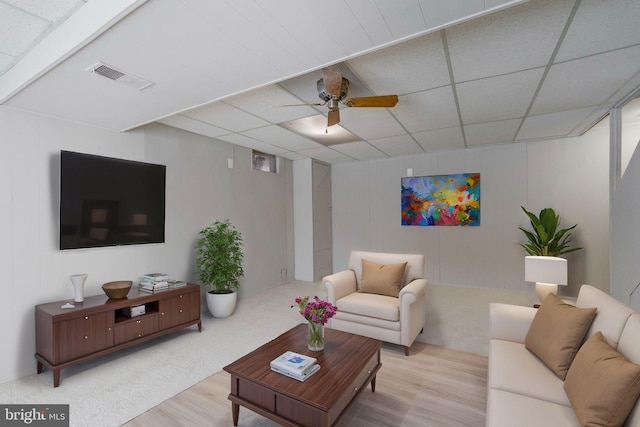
(99, 325)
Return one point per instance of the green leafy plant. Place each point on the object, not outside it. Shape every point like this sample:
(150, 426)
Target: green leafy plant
(545, 239)
(219, 257)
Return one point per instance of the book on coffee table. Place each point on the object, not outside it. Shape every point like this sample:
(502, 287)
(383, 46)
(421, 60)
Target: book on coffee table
(293, 363)
(302, 377)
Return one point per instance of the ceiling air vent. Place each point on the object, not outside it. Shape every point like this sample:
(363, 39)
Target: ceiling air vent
(119, 76)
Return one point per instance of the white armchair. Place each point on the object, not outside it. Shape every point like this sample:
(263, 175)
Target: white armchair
(397, 320)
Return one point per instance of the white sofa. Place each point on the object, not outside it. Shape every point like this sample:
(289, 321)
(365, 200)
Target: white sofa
(394, 320)
(521, 390)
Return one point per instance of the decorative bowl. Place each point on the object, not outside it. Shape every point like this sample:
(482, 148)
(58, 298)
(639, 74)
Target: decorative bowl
(118, 289)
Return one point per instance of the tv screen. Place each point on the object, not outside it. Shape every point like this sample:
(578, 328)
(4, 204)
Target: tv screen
(108, 202)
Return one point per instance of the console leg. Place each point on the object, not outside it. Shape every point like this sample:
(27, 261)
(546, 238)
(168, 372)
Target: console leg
(40, 367)
(235, 411)
(56, 377)
(373, 385)
(200, 326)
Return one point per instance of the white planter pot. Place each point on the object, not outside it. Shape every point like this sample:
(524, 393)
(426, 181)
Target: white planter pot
(221, 305)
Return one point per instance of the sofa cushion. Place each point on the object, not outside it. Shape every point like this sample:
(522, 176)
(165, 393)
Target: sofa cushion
(372, 305)
(513, 368)
(602, 385)
(556, 333)
(612, 313)
(381, 279)
(629, 347)
(414, 269)
(505, 409)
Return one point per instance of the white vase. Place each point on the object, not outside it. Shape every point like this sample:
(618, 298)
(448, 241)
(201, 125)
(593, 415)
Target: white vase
(221, 305)
(78, 286)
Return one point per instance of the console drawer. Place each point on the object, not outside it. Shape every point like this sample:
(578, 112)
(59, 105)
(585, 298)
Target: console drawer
(136, 328)
(371, 367)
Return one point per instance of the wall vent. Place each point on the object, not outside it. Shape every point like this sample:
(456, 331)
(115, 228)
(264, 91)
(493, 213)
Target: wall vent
(119, 76)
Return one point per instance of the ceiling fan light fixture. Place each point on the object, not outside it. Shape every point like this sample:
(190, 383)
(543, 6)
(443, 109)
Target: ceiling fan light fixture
(325, 96)
(315, 128)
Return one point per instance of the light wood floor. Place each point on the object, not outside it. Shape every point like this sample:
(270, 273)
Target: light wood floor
(434, 386)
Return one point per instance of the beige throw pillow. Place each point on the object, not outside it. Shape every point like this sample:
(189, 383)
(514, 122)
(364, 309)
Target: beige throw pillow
(602, 385)
(556, 333)
(382, 279)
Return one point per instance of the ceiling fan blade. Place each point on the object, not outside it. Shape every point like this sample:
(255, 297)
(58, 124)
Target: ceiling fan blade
(385, 101)
(317, 104)
(333, 117)
(332, 82)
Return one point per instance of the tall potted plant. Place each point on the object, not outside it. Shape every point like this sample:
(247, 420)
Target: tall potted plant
(219, 259)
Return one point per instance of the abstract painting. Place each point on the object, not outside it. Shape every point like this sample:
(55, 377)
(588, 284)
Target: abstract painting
(441, 200)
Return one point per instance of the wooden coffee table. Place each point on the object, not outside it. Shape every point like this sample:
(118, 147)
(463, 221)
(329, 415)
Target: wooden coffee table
(347, 364)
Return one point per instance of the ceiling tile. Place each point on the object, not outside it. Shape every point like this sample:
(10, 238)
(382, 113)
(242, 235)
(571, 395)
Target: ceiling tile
(19, 30)
(292, 156)
(251, 38)
(5, 60)
(592, 120)
(554, 124)
(599, 26)
(400, 145)
(404, 18)
(441, 139)
(370, 123)
(51, 10)
(192, 125)
(325, 154)
(428, 110)
(501, 42)
(245, 141)
(359, 150)
(439, 13)
(491, 133)
(269, 104)
(258, 16)
(412, 66)
(599, 78)
(296, 18)
(344, 30)
(490, 4)
(497, 98)
(282, 138)
(369, 17)
(226, 116)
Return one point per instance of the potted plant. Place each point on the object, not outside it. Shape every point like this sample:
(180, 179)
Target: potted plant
(546, 239)
(546, 242)
(219, 259)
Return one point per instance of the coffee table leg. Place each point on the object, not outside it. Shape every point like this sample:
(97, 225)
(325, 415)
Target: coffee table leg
(373, 385)
(235, 411)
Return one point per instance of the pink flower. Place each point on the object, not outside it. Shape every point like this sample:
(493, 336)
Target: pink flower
(315, 310)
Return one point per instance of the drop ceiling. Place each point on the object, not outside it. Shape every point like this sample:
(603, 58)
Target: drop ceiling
(468, 73)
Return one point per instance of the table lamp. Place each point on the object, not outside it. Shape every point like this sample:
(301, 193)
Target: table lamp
(547, 271)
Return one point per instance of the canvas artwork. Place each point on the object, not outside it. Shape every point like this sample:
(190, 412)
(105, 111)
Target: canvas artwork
(441, 200)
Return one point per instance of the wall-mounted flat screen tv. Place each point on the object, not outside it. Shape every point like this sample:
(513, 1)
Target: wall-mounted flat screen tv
(108, 202)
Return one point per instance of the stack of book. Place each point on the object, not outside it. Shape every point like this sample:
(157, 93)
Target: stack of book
(153, 282)
(294, 365)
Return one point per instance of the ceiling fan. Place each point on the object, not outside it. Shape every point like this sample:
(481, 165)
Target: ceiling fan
(333, 89)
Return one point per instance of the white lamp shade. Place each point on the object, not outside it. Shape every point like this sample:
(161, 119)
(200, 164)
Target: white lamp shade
(545, 269)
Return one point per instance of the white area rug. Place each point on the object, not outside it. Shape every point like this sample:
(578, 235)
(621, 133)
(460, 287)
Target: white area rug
(113, 389)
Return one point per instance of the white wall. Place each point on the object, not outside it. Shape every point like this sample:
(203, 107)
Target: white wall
(570, 175)
(303, 221)
(625, 228)
(200, 189)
